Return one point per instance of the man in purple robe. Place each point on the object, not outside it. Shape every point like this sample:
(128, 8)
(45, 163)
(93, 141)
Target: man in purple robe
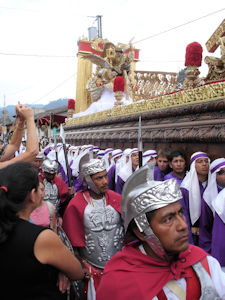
(218, 231)
(192, 188)
(127, 170)
(210, 224)
(162, 167)
(116, 155)
(177, 162)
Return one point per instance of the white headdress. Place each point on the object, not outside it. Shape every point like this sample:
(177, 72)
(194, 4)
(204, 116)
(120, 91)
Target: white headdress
(211, 191)
(147, 155)
(218, 205)
(191, 183)
(126, 170)
(106, 156)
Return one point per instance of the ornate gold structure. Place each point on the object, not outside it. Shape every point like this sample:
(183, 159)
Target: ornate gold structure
(106, 56)
(204, 93)
(147, 85)
(149, 90)
(213, 42)
(216, 65)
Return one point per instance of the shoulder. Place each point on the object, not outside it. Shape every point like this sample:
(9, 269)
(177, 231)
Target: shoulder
(77, 201)
(195, 254)
(114, 200)
(168, 176)
(114, 195)
(58, 180)
(112, 169)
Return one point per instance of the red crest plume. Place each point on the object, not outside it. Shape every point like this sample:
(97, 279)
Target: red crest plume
(71, 104)
(119, 84)
(193, 55)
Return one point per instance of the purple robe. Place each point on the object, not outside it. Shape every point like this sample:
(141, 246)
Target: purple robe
(79, 185)
(158, 174)
(170, 176)
(111, 178)
(119, 185)
(63, 174)
(218, 240)
(47, 150)
(206, 226)
(185, 203)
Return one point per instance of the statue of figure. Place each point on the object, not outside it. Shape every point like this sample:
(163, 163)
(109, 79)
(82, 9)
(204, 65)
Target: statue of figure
(114, 61)
(216, 65)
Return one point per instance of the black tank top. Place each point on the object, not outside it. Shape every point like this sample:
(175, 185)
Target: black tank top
(22, 275)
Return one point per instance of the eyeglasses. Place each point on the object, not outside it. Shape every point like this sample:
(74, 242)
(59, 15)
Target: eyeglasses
(221, 172)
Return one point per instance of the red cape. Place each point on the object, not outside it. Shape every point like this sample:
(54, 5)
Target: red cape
(73, 218)
(130, 274)
(62, 186)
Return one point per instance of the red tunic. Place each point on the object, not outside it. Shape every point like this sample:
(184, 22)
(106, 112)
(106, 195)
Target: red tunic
(73, 219)
(62, 186)
(139, 276)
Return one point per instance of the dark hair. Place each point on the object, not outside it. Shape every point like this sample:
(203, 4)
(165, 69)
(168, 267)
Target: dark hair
(176, 153)
(130, 235)
(164, 153)
(17, 181)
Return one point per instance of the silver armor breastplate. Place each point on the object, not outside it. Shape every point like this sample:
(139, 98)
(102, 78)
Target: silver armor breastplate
(208, 291)
(51, 193)
(103, 234)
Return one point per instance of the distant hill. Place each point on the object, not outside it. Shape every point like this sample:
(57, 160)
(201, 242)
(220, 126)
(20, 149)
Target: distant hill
(51, 105)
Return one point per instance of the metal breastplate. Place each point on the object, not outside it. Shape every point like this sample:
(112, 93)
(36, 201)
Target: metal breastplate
(51, 193)
(103, 234)
(208, 291)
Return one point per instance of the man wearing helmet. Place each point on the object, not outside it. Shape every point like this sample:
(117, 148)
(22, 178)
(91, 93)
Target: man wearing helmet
(56, 190)
(157, 261)
(92, 221)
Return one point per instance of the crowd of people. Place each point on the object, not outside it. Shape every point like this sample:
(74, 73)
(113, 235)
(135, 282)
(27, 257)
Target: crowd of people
(149, 232)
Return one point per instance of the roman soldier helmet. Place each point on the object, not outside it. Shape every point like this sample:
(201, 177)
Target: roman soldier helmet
(49, 166)
(141, 194)
(89, 166)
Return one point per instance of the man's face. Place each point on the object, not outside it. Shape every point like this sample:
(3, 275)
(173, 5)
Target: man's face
(37, 163)
(169, 225)
(162, 163)
(178, 164)
(100, 179)
(110, 157)
(95, 154)
(117, 158)
(135, 159)
(220, 177)
(49, 177)
(152, 159)
(202, 166)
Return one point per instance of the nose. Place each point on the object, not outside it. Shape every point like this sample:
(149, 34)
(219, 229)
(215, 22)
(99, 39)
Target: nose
(105, 180)
(181, 223)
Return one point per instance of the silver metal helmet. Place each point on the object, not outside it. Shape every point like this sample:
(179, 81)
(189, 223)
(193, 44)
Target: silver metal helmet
(141, 194)
(49, 166)
(89, 166)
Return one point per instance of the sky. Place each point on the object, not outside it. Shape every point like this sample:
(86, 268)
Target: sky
(38, 39)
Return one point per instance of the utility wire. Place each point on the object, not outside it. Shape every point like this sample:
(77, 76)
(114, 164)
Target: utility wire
(64, 81)
(189, 22)
(144, 39)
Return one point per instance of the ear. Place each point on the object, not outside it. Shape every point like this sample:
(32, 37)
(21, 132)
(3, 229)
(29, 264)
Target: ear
(32, 195)
(139, 234)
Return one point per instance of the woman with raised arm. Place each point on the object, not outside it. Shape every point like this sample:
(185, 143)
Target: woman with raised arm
(31, 256)
(24, 115)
